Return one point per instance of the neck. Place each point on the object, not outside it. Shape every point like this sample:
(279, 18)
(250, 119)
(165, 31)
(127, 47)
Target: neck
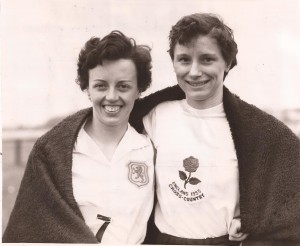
(105, 135)
(209, 102)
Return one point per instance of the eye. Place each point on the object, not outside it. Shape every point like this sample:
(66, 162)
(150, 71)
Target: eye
(207, 60)
(100, 86)
(183, 60)
(123, 87)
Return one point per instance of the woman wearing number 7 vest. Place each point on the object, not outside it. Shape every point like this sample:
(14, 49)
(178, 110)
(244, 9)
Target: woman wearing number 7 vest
(227, 173)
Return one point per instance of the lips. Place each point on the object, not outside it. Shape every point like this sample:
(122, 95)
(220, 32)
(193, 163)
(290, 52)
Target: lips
(112, 108)
(197, 83)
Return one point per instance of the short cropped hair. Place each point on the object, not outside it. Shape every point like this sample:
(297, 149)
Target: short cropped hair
(191, 26)
(112, 47)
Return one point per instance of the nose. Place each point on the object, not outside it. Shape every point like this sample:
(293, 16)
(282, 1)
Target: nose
(112, 95)
(195, 70)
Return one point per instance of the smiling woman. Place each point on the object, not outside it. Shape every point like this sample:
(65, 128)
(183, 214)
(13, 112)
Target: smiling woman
(221, 163)
(90, 178)
(200, 69)
(113, 90)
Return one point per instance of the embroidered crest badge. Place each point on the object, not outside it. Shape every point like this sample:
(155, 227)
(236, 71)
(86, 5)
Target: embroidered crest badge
(138, 173)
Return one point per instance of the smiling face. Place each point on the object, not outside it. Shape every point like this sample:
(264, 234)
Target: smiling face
(199, 68)
(113, 90)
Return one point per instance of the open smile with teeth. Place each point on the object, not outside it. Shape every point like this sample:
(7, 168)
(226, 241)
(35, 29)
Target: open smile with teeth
(112, 108)
(198, 83)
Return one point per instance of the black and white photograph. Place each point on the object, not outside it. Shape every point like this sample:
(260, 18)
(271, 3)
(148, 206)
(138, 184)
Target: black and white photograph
(163, 122)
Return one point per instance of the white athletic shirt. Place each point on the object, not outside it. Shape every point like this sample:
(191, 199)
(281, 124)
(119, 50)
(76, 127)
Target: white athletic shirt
(121, 189)
(196, 170)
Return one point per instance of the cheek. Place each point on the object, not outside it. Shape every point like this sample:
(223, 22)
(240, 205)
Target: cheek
(221, 72)
(97, 98)
(216, 71)
(180, 71)
(178, 68)
(131, 98)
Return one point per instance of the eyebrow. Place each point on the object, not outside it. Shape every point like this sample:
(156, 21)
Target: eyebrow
(120, 81)
(201, 55)
(125, 80)
(209, 54)
(182, 54)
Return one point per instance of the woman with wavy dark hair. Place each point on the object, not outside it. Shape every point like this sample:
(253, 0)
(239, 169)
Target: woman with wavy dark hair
(90, 178)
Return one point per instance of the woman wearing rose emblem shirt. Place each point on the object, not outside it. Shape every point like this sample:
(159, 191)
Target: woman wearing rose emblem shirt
(226, 171)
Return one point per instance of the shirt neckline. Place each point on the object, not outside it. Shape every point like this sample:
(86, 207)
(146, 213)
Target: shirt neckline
(209, 112)
(130, 141)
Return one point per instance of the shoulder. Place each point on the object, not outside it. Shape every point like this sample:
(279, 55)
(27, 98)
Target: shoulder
(265, 120)
(141, 141)
(167, 107)
(255, 120)
(64, 130)
(163, 112)
(144, 105)
(140, 138)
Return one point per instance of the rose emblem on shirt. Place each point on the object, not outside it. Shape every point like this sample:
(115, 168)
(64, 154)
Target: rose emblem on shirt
(190, 165)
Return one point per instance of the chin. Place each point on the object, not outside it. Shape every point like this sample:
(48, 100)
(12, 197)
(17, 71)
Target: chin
(112, 123)
(196, 96)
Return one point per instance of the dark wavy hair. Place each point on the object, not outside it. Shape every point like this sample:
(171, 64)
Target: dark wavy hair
(114, 46)
(191, 26)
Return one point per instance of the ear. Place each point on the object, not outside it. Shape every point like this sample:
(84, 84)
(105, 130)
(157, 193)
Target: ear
(138, 95)
(228, 68)
(88, 93)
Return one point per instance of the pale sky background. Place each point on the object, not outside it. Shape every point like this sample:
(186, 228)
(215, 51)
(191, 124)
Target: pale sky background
(41, 40)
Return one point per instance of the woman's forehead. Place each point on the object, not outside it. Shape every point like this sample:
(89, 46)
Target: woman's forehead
(200, 42)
